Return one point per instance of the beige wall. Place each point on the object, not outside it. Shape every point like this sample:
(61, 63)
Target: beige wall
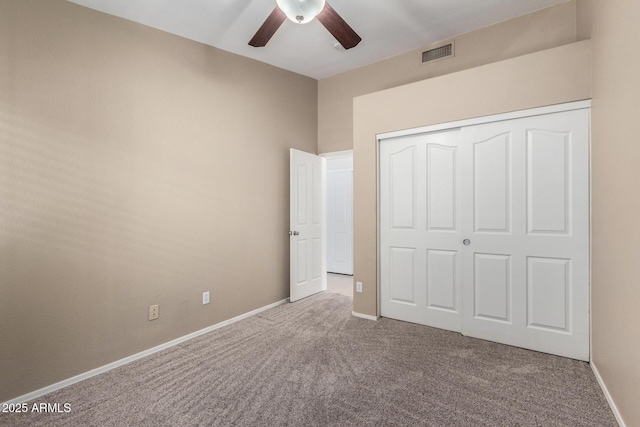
(136, 168)
(613, 27)
(123, 153)
(537, 31)
(544, 78)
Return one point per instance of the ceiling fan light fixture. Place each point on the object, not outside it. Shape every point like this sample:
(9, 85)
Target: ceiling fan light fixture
(301, 11)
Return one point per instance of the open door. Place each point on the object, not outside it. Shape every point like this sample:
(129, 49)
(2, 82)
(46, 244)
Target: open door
(307, 225)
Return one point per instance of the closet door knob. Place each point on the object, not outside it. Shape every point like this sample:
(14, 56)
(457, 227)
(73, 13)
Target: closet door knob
(466, 242)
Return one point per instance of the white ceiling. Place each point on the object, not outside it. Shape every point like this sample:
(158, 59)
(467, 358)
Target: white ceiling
(388, 28)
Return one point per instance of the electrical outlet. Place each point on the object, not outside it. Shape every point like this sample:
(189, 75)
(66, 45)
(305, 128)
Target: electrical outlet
(205, 298)
(358, 286)
(153, 312)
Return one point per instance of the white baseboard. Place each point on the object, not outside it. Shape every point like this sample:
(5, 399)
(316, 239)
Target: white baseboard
(57, 386)
(364, 316)
(607, 395)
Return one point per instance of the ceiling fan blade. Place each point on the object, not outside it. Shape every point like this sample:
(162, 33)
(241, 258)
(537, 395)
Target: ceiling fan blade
(268, 28)
(338, 27)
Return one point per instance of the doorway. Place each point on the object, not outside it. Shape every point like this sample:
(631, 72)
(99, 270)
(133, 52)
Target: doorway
(339, 212)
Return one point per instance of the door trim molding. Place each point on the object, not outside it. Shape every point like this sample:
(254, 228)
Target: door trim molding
(577, 105)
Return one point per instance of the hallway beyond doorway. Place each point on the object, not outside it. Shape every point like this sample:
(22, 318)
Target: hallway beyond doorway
(340, 284)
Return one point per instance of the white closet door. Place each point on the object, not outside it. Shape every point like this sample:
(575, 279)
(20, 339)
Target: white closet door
(526, 217)
(420, 229)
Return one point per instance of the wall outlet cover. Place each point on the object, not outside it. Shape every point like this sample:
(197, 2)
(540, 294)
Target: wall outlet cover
(153, 312)
(205, 297)
(358, 286)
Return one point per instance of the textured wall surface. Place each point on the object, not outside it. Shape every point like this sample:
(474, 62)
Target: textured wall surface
(615, 156)
(136, 168)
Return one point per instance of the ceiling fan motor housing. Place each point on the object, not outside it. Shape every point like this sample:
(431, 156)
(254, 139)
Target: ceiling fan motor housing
(301, 11)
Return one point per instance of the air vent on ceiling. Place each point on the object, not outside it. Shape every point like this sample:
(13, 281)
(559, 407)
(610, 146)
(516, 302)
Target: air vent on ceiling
(439, 52)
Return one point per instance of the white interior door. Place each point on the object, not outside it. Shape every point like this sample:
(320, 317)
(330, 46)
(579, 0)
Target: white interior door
(420, 229)
(340, 221)
(485, 230)
(307, 225)
(526, 221)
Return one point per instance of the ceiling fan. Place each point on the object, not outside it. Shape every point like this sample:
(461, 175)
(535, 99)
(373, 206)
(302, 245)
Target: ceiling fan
(301, 12)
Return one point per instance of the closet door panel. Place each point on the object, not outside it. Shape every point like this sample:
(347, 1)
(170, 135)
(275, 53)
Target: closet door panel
(420, 229)
(544, 306)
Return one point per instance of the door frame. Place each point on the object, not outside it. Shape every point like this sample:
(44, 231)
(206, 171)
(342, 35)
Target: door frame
(569, 106)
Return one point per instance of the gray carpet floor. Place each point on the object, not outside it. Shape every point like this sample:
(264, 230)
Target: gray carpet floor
(311, 363)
